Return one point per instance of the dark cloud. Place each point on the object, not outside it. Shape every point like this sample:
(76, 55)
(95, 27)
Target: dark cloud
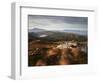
(65, 19)
(57, 22)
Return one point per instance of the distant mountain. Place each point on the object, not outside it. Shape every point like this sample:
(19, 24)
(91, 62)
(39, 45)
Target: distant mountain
(56, 35)
(80, 32)
(46, 32)
(45, 35)
(36, 30)
(39, 32)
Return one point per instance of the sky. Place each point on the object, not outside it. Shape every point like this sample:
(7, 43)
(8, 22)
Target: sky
(57, 22)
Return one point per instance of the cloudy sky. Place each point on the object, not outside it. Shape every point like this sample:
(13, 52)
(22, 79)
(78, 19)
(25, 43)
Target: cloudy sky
(57, 22)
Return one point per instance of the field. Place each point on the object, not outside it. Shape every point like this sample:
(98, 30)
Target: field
(56, 48)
